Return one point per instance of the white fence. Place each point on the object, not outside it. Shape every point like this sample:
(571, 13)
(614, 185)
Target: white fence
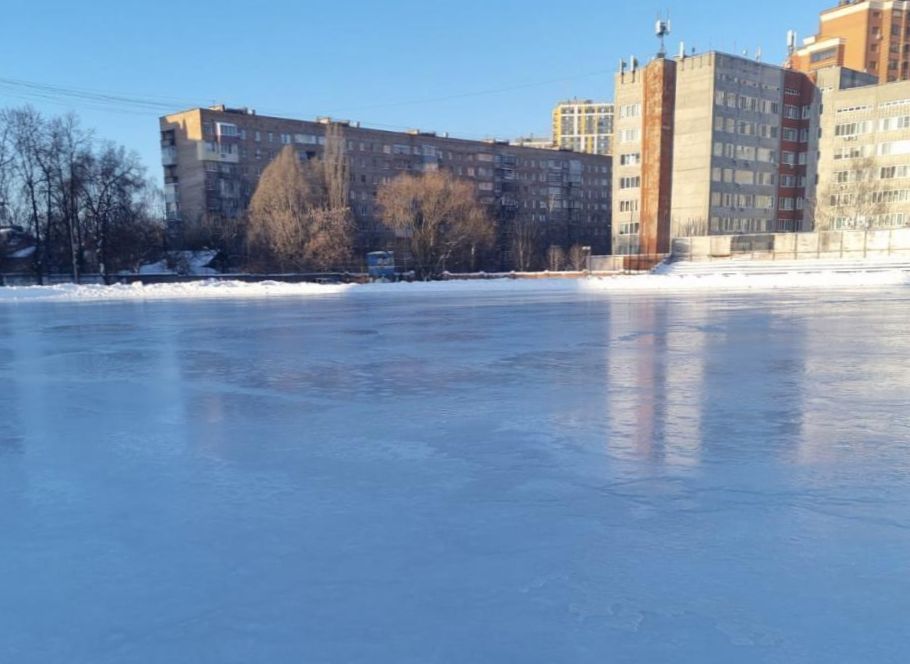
(795, 246)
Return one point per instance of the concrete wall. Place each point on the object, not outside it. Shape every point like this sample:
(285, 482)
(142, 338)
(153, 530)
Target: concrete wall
(796, 246)
(693, 141)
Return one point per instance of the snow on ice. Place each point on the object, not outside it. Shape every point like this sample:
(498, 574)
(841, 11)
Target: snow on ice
(654, 283)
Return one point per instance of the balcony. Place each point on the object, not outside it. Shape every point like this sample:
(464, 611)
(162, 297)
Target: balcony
(168, 138)
(168, 155)
(226, 154)
(229, 189)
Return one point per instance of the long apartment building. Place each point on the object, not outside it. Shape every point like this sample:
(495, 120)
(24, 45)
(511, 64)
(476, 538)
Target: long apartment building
(213, 158)
(711, 144)
(871, 36)
(864, 164)
(584, 126)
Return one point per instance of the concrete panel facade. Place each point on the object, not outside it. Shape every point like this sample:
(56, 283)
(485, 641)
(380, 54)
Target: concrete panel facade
(739, 137)
(864, 166)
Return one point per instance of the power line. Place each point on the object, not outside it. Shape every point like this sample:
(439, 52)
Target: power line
(479, 93)
(155, 106)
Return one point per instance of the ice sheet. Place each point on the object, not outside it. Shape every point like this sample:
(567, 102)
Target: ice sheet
(541, 475)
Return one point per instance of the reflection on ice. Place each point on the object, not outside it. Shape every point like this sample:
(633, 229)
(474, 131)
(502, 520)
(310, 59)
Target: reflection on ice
(535, 477)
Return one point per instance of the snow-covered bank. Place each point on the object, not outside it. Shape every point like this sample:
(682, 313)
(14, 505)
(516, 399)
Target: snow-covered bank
(210, 289)
(619, 284)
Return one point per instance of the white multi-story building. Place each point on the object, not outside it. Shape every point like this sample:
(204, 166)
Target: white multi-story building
(584, 126)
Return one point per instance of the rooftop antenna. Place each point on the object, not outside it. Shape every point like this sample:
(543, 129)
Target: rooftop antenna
(682, 50)
(791, 41)
(758, 54)
(662, 30)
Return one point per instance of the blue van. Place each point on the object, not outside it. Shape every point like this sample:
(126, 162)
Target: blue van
(381, 265)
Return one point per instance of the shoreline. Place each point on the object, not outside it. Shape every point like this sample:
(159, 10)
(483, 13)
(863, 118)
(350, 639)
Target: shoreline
(620, 284)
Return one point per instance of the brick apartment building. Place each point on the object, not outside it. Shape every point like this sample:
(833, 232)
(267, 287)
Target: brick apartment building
(213, 158)
(871, 36)
(711, 144)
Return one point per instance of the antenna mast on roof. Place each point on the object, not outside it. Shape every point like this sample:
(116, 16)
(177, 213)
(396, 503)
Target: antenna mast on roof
(662, 30)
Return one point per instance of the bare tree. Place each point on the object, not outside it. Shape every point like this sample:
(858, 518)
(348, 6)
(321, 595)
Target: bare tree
(578, 257)
(525, 243)
(439, 216)
(854, 200)
(66, 161)
(336, 169)
(692, 228)
(27, 138)
(556, 258)
(7, 161)
(80, 203)
(111, 179)
(136, 234)
(291, 224)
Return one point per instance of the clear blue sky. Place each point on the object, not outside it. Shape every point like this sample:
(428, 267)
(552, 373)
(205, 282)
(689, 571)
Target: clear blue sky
(394, 64)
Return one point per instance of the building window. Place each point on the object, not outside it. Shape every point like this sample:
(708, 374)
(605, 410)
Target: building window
(630, 110)
(820, 56)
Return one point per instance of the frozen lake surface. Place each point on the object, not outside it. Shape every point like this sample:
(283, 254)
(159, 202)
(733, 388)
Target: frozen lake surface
(520, 477)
